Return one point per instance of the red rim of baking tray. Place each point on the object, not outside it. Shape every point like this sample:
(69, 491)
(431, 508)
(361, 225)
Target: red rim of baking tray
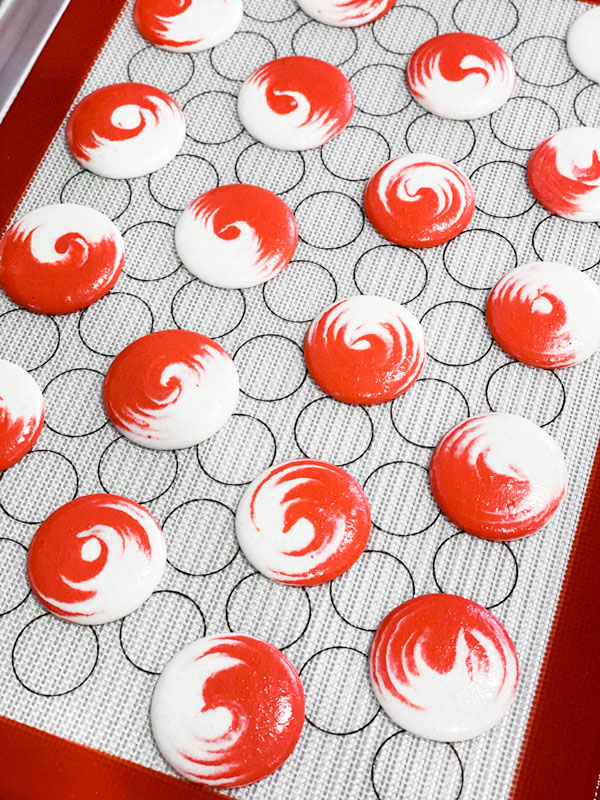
(560, 755)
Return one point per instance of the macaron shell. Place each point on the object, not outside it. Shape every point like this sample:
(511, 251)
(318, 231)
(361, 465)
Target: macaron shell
(60, 258)
(365, 349)
(227, 710)
(125, 130)
(460, 76)
(498, 476)
(295, 103)
(443, 667)
(303, 522)
(96, 559)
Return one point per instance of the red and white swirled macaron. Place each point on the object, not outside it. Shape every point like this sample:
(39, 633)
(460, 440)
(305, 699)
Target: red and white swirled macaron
(60, 258)
(443, 667)
(546, 315)
(171, 389)
(21, 413)
(187, 26)
(96, 559)
(227, 710)
(498, 476)
(346, 13)
(460, 76)
(236, 236)
(125, 130)
(582, 44)
(563, 173)
(365, 349)
(295, 103)
(419, 200)
(303, 522)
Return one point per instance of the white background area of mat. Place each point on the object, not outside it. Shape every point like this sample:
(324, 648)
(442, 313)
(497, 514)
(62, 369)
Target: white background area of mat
(93, 685)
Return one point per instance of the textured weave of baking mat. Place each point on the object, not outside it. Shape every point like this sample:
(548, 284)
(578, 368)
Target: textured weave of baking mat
(93, 684)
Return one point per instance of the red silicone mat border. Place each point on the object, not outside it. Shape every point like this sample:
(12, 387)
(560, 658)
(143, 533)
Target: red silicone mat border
(39, 766)
(560, 756)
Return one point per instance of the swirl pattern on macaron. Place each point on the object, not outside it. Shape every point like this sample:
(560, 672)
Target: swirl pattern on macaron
(171, 389)
(546, 315)
(227, 710)
(563, 173)
(96, 559)
(187, 26)
(60, 258)
(443, 667)
(498, 476)
(365, 349)
(460, 76)
(346, 13)
(125, 130)
(236, 236)
(21, 413)
(303, 522)
(295, 103)
(419, 200)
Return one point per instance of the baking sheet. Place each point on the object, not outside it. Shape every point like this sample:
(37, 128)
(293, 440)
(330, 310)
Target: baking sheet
(94, 684)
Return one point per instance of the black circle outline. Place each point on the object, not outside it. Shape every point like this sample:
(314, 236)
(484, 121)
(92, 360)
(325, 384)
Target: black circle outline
(349, 128)
(332, 583)
(513, 164)
(556, 216)
(522, 97)
(26, 456)
(112, 183)
(253, 575)
(113, 294)
(494, 38)
(462, 303)
(20, 603)
(464, 533)
(400, 733)
(201, 94)
(143, 449)
(74, 435)
(128, 616)
(537, 369)
(161, 277)
(314, 724)
(245, 33)
(300, 261)
(202, 500)
(433, 116)
(576, 98)
(337, 402)
(477, 230)
(412, 533)
(243, 483)
(53, 694)
(172, 161)
(198, 280)
(312, 21)
(403, 6)
(272, 336)
(284, 152)
(348, 197)
(387, 113)
(22, 310)
(160, 50)
(545, 85)
(396, 247)
(271, 21)
(426, 380)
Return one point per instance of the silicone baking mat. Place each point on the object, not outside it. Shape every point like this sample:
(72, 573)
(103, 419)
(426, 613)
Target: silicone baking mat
(93, 684)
